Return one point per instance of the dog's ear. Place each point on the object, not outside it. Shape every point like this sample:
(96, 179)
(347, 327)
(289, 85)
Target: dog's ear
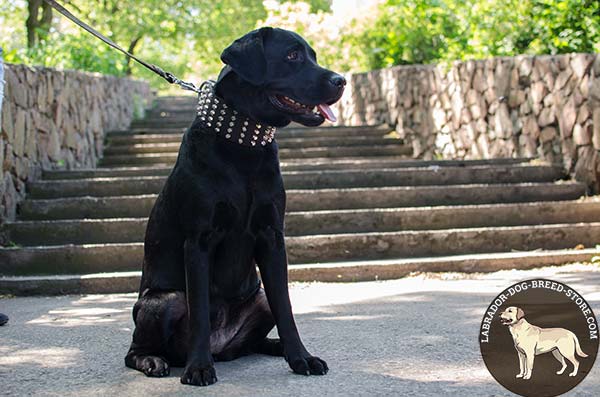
(246, 56)
(520, 313)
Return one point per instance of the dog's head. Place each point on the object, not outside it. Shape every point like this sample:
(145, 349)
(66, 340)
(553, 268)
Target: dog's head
(273, 77)
(511, 315)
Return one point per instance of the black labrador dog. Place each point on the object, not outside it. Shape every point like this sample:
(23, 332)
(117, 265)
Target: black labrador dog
(221, 213)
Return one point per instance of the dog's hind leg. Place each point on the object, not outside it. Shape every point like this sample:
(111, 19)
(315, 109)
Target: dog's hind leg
(255, 321)
(157, 318)
(575, 363)
(566, 347)
(561, 360)
(270, 347)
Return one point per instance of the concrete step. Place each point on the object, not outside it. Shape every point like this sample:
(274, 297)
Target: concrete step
(95, 258)
(114, 186)
(162, 124)
(285, 143)
(176, 100)
(126, 134)
(174, 135)
(171, 111)
(122, 282)
(320, 199)
(159, 123)
(126, 230)
(314, 164)
(297, 153)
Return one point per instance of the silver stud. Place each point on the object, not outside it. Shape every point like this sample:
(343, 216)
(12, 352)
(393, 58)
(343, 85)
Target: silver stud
(210, 118)
(240, 140)
(263, 143)
(217, 129)
(258, 126)
(253, 143)
(218, 123)
(227, 136)
(212, 112)
(270, 140)
(254, 137)
(242, 135)
(231, 124)
(233, 118)
(256, 132)
(235, 112)
(220, 118)
(225, 105)
(222, 112)
(244, 129)
(229, 130)
(208, 124)
(246, 122)
(202, 118)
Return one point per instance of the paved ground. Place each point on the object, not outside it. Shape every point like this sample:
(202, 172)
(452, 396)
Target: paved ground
(411, 337)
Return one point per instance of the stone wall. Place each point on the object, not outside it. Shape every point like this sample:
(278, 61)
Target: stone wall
(57, 120)
(526, 106)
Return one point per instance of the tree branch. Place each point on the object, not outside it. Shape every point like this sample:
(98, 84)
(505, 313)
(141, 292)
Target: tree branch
(131, 50)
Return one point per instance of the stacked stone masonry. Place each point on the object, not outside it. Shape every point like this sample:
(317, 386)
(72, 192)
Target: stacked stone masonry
(57, 120)
(532, 106)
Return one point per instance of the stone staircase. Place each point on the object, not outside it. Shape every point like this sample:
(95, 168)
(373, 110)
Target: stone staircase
(359, 208)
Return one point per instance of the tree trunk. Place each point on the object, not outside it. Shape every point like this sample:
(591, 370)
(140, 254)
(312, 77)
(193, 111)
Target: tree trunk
(131, 50)
(37, 27)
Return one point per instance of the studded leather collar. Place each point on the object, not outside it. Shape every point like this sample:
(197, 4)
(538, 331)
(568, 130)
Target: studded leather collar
(228, 123)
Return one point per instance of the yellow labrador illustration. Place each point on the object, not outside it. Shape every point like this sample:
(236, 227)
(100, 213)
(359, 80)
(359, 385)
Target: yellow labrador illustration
(531, 341)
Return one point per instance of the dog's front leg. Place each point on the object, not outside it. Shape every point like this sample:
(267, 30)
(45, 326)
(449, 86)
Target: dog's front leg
(272, 261)
(529, 358)
(521, 364)
(199, 368)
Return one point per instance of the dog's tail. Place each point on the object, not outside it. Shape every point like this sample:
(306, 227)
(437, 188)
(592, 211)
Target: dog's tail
(578, 348)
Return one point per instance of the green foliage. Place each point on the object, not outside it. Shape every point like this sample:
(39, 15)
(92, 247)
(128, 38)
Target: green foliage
(317, 5)
(425, 31)
(73, 51)
(562, 26)
(186, 37)
(409, 31)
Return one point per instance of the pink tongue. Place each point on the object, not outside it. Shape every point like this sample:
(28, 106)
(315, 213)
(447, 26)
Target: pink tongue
(326, 112)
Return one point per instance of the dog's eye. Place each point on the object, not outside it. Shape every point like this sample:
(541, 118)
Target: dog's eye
(293, 56)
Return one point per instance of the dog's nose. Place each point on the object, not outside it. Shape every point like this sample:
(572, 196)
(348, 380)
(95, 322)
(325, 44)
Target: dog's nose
(337, 81)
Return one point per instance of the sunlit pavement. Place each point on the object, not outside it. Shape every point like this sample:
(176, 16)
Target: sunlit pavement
(411, 337)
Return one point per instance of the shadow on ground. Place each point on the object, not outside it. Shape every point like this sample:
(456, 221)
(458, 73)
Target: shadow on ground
(410, 337)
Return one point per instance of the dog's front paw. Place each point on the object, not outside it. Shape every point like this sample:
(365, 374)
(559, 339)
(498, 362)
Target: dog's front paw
(527, 376)
(154, 366)
(519, 376)
(199, 375)
(309, 365)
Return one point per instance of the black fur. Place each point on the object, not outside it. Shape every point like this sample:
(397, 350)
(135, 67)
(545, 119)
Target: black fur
(219, 215)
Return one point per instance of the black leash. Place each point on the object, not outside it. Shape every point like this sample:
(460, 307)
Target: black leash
(165, 75)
